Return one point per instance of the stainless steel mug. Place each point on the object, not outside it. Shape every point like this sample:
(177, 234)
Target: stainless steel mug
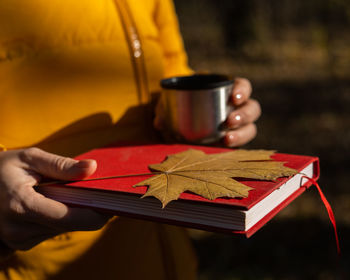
(197, 106)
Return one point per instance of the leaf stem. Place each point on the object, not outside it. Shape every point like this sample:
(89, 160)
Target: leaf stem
(135, 175)
(96, 179)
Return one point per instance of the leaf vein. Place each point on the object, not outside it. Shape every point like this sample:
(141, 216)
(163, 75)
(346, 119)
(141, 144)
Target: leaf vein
(204, 181)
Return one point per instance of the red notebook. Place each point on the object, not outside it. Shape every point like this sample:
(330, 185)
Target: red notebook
(237, 215)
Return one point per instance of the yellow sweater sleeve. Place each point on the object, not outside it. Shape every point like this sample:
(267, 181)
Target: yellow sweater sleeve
(174, 55)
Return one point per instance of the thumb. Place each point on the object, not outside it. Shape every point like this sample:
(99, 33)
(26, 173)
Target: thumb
(57, 167)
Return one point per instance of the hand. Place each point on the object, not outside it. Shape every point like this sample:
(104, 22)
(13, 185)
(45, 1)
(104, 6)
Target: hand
(27, 217)
(240, 123)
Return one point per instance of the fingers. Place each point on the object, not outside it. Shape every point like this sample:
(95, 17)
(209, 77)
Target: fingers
(241, 91)
(25, 204)
(241, 120)
(27, 217)
(240, 136)
(60, 216)
(31, 206)
(245, 114)
(55, 166)
(241, 123)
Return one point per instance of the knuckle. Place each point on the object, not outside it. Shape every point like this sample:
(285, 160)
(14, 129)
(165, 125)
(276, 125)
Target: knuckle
(28, 154)
(22, 204)
(16, 207)
(59, 164)
(29, 205)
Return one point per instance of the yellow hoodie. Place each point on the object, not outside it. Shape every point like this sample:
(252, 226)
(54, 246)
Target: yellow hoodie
(74, 75)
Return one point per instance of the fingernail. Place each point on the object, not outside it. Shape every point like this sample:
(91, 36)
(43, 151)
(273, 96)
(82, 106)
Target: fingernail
(85, 163)
(235, 121)
(237, 98)
(230, 139)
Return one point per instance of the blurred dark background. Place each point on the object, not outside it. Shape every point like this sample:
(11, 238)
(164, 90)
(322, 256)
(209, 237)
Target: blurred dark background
(297, 56)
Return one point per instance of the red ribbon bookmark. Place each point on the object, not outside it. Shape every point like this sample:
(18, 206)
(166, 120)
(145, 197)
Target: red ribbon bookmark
(329, 210)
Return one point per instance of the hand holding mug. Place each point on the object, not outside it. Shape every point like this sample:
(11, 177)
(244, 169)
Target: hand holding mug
(203, 109)
(240, 122)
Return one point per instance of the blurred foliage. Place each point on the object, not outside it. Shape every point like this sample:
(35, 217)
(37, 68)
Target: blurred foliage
(284, 33)
(297, 55)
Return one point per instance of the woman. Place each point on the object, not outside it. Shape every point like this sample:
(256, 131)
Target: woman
(75, 75)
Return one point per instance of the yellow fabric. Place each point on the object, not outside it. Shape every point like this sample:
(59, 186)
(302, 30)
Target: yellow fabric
(64, 61)
(67, 85)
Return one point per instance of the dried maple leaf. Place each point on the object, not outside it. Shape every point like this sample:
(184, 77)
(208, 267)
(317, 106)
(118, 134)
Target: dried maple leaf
(210, 175)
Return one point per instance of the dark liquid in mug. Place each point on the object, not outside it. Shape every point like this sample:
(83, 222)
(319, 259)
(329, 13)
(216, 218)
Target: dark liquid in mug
(196, 82)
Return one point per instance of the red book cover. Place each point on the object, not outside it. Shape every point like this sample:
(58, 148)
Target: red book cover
(130, 160)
